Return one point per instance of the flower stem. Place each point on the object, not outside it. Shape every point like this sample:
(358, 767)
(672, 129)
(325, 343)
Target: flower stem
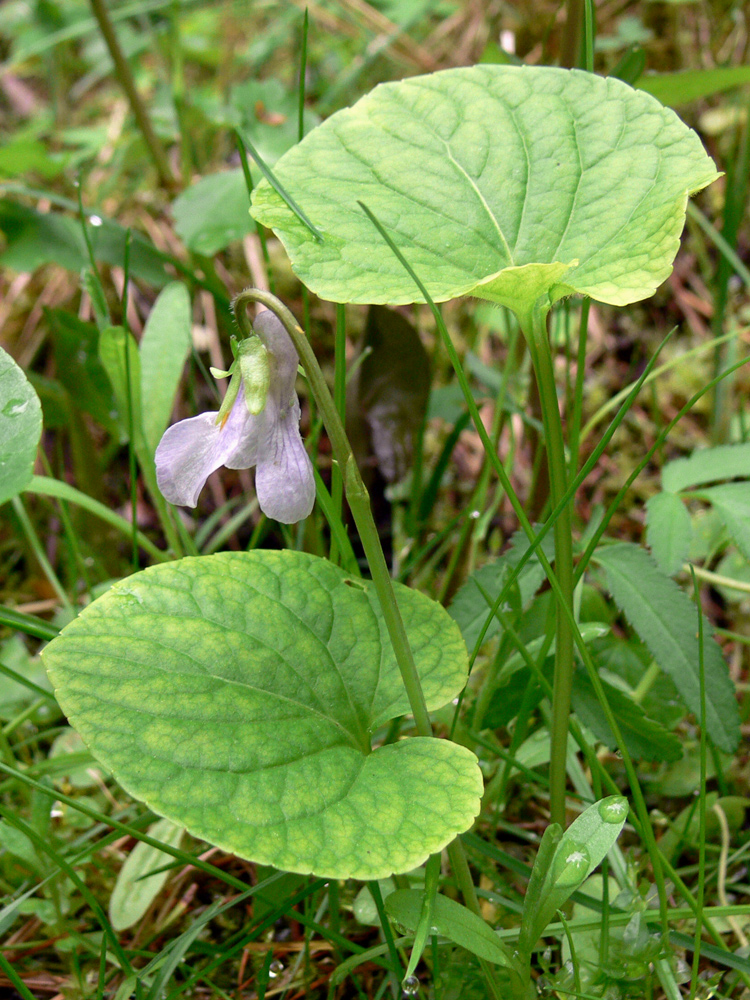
(125, 76)
(356, 494)
(359, 503)
(535, 330)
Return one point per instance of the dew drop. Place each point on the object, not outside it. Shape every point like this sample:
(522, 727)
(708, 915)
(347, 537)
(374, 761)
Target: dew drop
(410, 985)
(14, 407)
(613, 810)
(275, 969)
(571, 865)
(95, 220)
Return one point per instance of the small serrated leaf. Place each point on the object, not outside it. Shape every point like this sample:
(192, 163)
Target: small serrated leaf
(645, 739)
(707, 465)
(731, 501)
(666, 620)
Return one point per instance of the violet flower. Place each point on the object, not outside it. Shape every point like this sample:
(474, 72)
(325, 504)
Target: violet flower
(268, 437)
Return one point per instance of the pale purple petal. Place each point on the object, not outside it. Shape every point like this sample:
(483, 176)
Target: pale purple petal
(245, 430)
(284, 358)
(284, 478)
(192, 449)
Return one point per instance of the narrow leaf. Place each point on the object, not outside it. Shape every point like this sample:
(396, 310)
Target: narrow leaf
(682, 87)
(164, 347)
(581, 850)
(138, 882)
(450, 920)
(124, 373)
(533, 899)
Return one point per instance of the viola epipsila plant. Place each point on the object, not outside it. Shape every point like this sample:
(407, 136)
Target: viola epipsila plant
(318, 716)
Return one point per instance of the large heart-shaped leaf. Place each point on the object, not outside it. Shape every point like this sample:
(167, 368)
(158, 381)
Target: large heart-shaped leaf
(503, 182)
(236, 695)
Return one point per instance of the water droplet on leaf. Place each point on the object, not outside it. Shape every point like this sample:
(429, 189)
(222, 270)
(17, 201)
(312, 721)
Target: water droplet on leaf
(410, 985)
(613, 810)
(14, 407)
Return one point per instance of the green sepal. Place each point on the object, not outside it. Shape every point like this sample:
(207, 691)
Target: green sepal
(255, 368)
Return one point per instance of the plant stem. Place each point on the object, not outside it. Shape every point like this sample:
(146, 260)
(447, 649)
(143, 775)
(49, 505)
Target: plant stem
(359, 504)
(535, 330)
(571, 39)
(339, 395)
(125, 77)
(356, 493)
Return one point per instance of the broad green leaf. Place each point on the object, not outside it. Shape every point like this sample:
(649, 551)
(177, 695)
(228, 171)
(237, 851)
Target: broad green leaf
(470, 608)
(579, 851)
(25, 155)
(707, 465)
(690, 85)
(236, 695)
(507, 183)
(667, 622)
(36, 238)
(20, 428)
(138, 882)
(645, 739)
(164, 347)
(668, 531)
(213, 213)
(450, 920)
(732, 502)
